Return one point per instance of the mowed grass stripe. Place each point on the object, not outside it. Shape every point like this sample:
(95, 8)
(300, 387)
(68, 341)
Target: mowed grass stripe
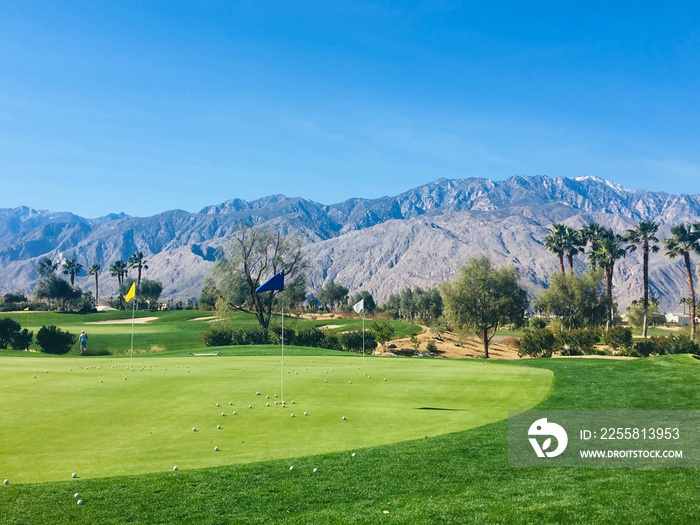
(82, 415)
(460, 477)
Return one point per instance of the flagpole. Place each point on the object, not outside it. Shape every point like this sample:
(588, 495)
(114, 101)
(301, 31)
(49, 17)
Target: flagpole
(282, 347)
(363, 336)
(133, 313)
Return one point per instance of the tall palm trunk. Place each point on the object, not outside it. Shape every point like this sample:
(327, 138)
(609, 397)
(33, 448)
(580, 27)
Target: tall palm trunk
(609, 297)
(689, 273)
(561, 262)
(97, 290)
(645, 266)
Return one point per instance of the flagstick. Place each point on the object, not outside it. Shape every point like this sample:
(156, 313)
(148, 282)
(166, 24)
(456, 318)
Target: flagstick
(133, 313)
(282, 347)
(363, 337)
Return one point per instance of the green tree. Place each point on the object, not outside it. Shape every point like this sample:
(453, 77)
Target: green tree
(578, 301)
(333, 296)
(369, 303)
(22, 340)
(72, 268)
(138, 262)
(563, 241)
(46, 267)
(484, 298)
(605, 254)
(53, 340)
(684, 240)
(592, 233)
(644, 235)
(150, 292)
(8, 331)
(53, 287)
(639, 317)
(383, 332)
(95, 271)
(247, 260)
(119, 269)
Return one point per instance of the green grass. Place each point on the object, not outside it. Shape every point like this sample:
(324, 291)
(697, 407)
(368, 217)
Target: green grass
(458, 477)
(172, 333)
(65, 415)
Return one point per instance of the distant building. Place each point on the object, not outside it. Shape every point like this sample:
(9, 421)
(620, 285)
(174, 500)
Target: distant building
(680, 319)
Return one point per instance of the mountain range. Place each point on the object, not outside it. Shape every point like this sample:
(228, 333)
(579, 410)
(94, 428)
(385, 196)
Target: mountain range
(418, 238)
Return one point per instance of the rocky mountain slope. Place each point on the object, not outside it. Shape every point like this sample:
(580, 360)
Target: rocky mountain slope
(418, 238)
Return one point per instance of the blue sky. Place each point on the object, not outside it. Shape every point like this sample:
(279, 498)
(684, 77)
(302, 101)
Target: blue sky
(145, 106)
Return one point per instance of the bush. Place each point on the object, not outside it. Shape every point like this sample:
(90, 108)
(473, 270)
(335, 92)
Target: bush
(538, 343)
(431, 347)
(673, 344)
(310, 337)
(218, 336)
(22, 340)
(579, 342)
(618, 338)
(53, 340)
(352, 341)
(538, 323)
(8, 330)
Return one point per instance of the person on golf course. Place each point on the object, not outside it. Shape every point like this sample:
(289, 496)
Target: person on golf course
(83, 341)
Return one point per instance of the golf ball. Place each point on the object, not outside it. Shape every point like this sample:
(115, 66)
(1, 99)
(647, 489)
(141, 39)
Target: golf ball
(315, 469)
(194, 429)
(175, 467)
(74, 475)
(6, 482)
(80, 502)
(76, 495)
(344, 418)
(291, 467)
(216, 449)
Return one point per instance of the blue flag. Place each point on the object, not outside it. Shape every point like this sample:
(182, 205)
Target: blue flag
(274, 283)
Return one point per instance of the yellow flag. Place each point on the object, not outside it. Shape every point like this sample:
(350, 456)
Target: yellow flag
(26, 309)
(131, 294)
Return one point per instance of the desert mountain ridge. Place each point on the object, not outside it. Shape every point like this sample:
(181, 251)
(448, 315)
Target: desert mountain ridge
(417, 238)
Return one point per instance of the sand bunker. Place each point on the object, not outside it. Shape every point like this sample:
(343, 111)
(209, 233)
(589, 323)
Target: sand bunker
(137, 320)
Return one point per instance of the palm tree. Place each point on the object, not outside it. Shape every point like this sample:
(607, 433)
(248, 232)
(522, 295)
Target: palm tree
(563, 240)
(72, 268)
(46, 267)
(593, 233)
(137, 261)
(644, 234)
(95, 270)
(604, 255)
(118, 269)
(684, 240)
(684, 302)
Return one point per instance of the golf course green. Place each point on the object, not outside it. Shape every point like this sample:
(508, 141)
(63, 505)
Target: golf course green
(96, 417)
(428, 445)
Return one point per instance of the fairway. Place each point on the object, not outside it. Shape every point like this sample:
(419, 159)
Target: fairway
(97, 418)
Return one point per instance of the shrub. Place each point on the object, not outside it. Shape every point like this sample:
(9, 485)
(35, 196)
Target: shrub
(218, 336)
(352, 341)
(8, 330)
(579, 342)
(538, 323)
(250, 336)
(681, 344)
(22, 340)
(275, 335)
(431, 347)
(53, 340)
(310, 337)
(538, 343)
(618, 338)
